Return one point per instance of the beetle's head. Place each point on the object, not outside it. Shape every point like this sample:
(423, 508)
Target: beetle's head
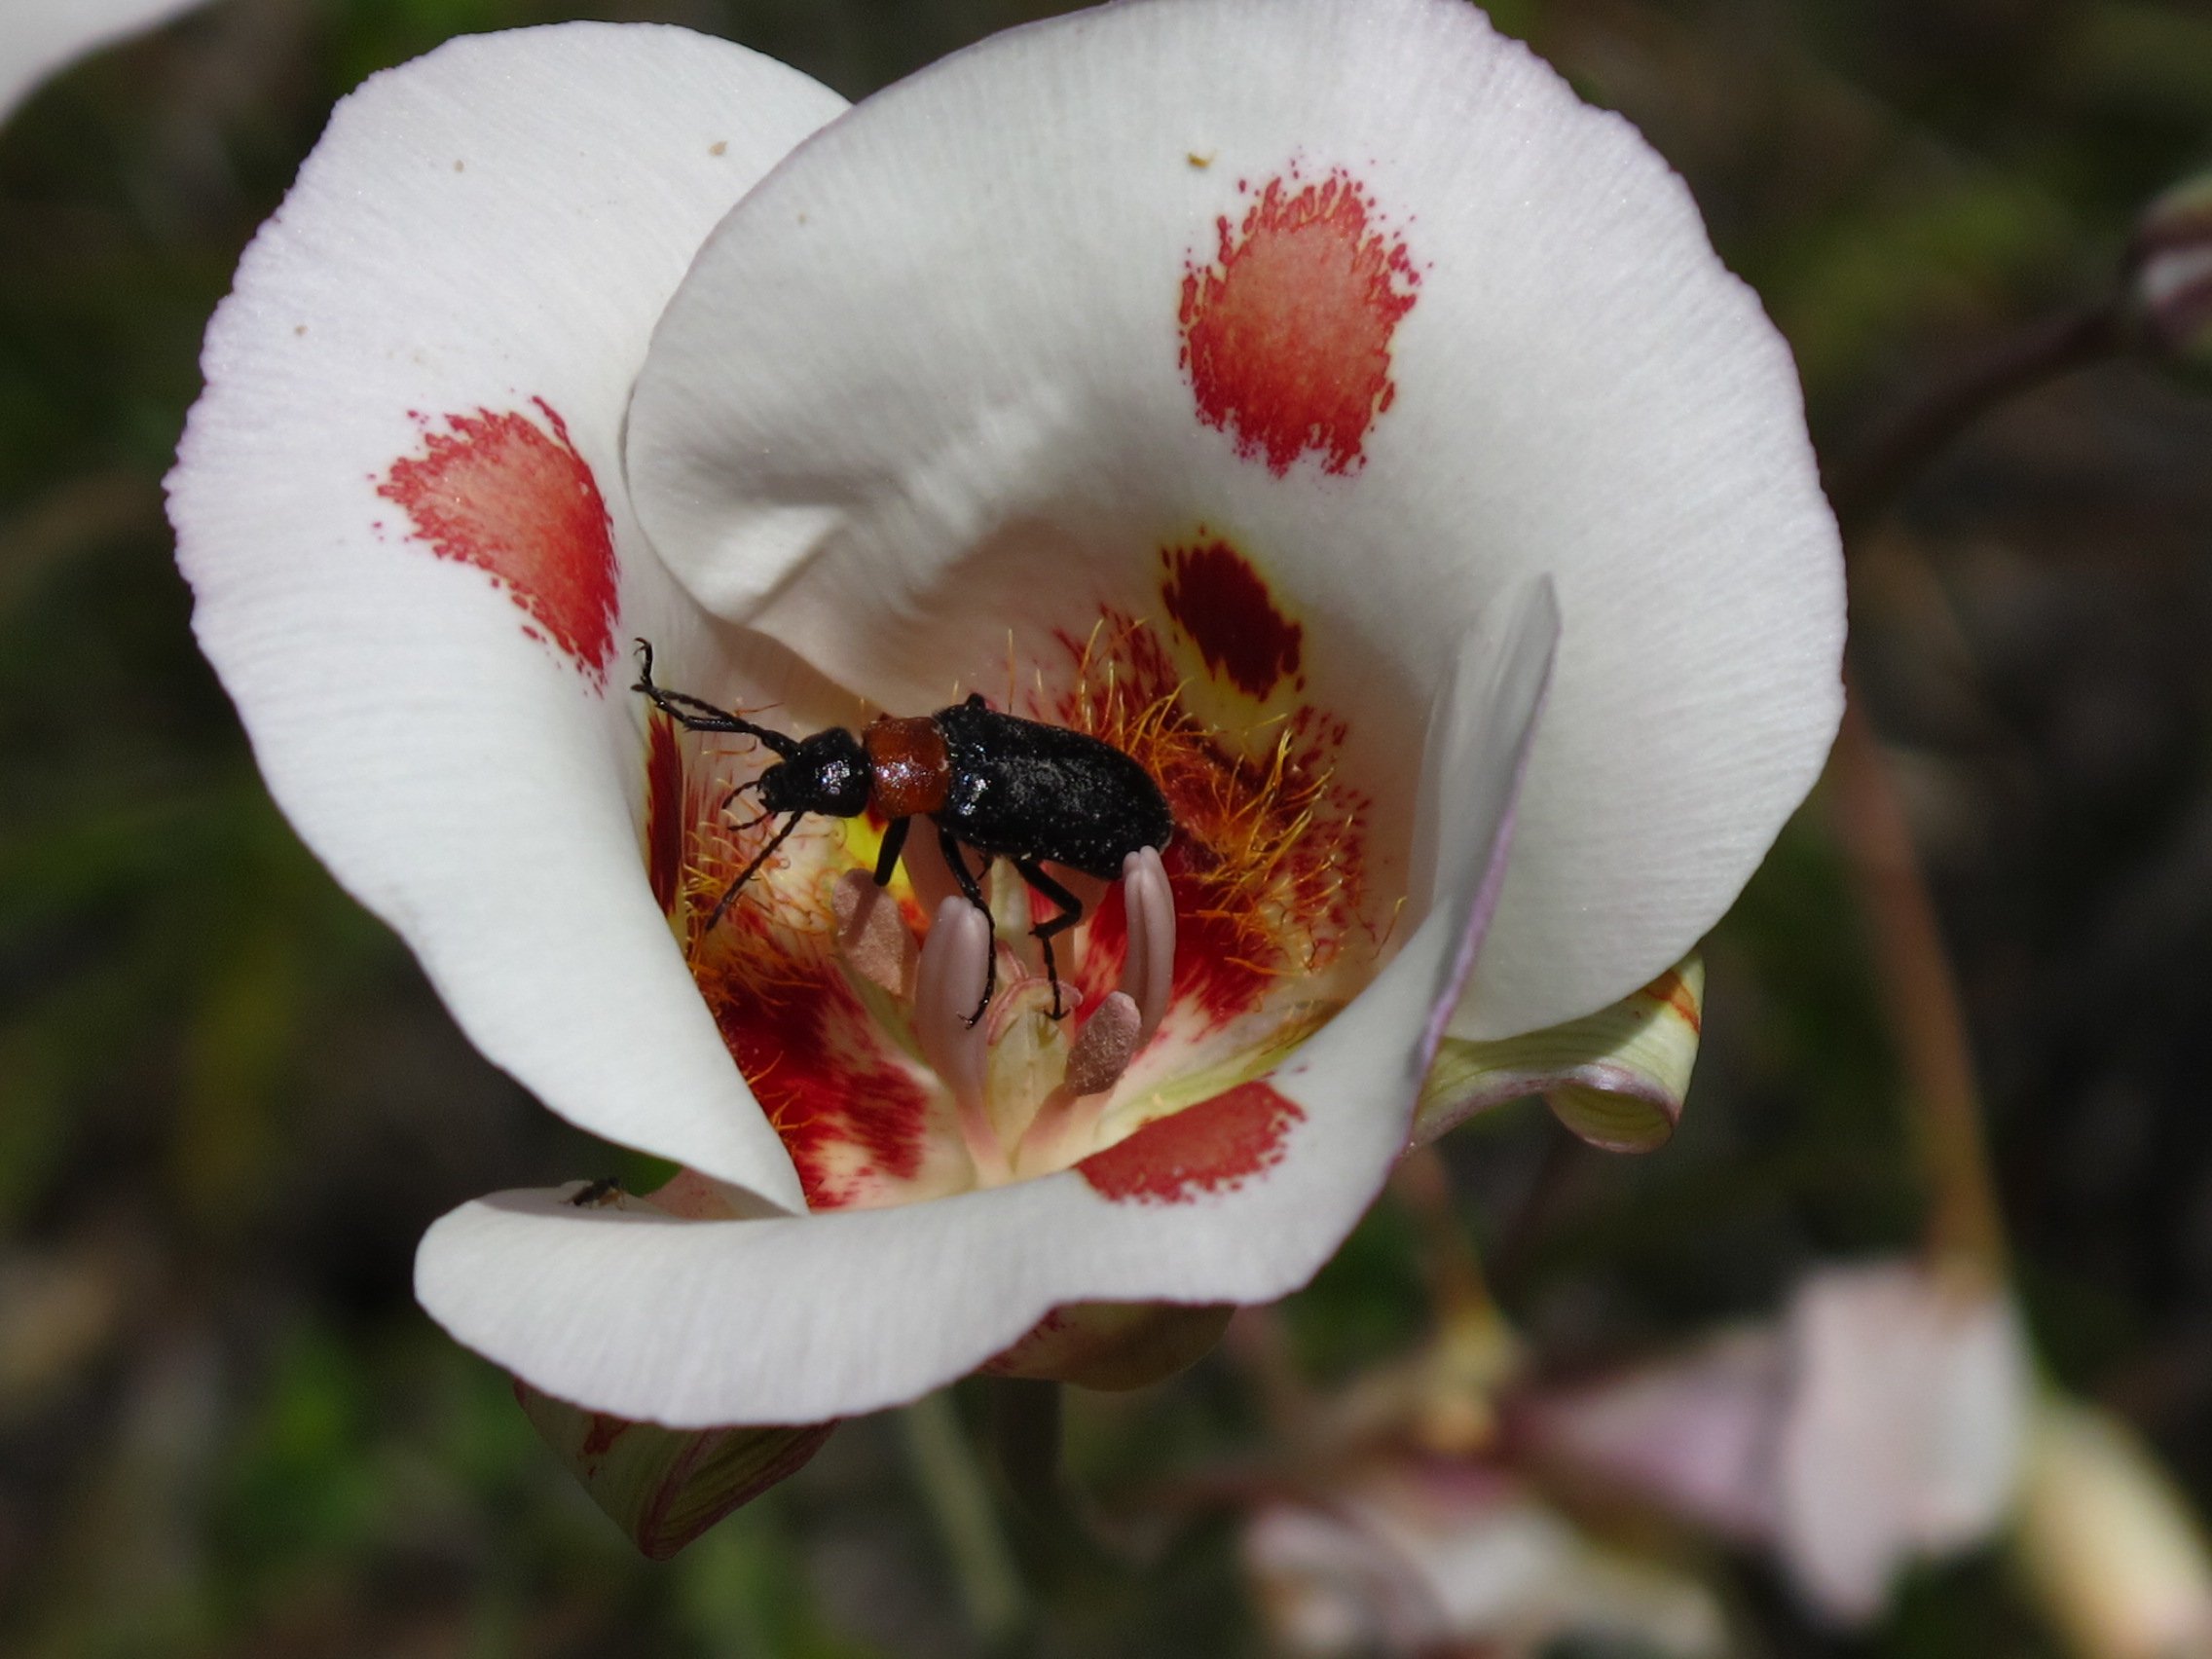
(827, 773)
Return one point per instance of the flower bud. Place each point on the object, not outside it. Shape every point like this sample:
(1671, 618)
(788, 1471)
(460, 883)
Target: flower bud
(664, 1487)
(2168, 294)
(2107, 1544)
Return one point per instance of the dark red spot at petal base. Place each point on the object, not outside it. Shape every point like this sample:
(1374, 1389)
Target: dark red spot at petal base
(1286, 336)
(1214, 1146)
(666, 812)
(501, 493)
(1220, 602)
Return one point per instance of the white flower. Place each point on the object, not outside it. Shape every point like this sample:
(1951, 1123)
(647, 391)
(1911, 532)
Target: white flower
(39, 38)
(1882, 1421)
(1447, 1557)
(1288, 390)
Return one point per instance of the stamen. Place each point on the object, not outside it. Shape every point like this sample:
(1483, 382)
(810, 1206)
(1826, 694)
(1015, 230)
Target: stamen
(948, 983)
(1148, 971)
(926, 868)
(872, 935)
(1108, 1042)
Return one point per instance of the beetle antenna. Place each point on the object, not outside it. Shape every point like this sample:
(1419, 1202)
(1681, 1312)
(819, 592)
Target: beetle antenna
(696, 714)
(729, 893)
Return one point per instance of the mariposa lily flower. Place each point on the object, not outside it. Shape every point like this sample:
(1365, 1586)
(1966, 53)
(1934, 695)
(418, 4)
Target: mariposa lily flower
(1882, 1421)
(1300, 394)
(1442, 1557)
(2166, 300)
(39, 38)
(1399, 1521)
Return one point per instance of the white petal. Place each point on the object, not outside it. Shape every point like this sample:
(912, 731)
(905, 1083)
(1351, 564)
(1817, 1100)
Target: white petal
(1904, 1433)
(483, 236)
(1514, 1571)
(1236, 1199)
(1422, 1560)
(1329, 1586)
(928, 386)
(1694, 1435)
(38, 37)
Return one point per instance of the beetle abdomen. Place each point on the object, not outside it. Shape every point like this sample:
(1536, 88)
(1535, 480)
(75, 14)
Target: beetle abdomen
(1021, 789)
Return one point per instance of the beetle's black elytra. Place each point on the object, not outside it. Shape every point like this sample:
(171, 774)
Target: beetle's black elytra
(1018, 790)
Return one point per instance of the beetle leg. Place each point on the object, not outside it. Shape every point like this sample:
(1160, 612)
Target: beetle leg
(1071, 913)
(894, 840)
(707, 719)
(973, 893)
(705, 716)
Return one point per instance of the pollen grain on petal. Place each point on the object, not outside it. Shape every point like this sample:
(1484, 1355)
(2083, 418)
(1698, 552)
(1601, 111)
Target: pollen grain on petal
(515, 499)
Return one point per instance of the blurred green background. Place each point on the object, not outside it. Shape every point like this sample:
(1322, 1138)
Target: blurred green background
(229, 1105)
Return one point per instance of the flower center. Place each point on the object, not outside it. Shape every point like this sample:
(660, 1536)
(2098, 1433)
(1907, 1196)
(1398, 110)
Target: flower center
(852, 1010)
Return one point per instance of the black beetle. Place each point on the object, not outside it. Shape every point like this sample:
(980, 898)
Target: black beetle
(1013, 788)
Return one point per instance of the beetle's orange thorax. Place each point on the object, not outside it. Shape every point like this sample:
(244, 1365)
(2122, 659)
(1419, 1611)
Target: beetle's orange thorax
(913, 770)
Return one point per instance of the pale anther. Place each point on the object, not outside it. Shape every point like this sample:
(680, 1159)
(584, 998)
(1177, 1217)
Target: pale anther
(1108, 1042)
(872, 935)
(948, 983)
(1148, 971)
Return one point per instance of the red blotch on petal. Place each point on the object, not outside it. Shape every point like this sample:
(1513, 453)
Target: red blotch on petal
(1216, 597)
(1286, 335)
(845, 1112)
(501, 493)
(1214, 1146)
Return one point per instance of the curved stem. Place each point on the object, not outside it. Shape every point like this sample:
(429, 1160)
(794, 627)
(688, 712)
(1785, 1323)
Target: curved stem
(1918, 988)
(1920, 997)
(1025, 1436)
(1023, 1419)
(1456, 1288)
(983, 1566)
(1867, 486)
